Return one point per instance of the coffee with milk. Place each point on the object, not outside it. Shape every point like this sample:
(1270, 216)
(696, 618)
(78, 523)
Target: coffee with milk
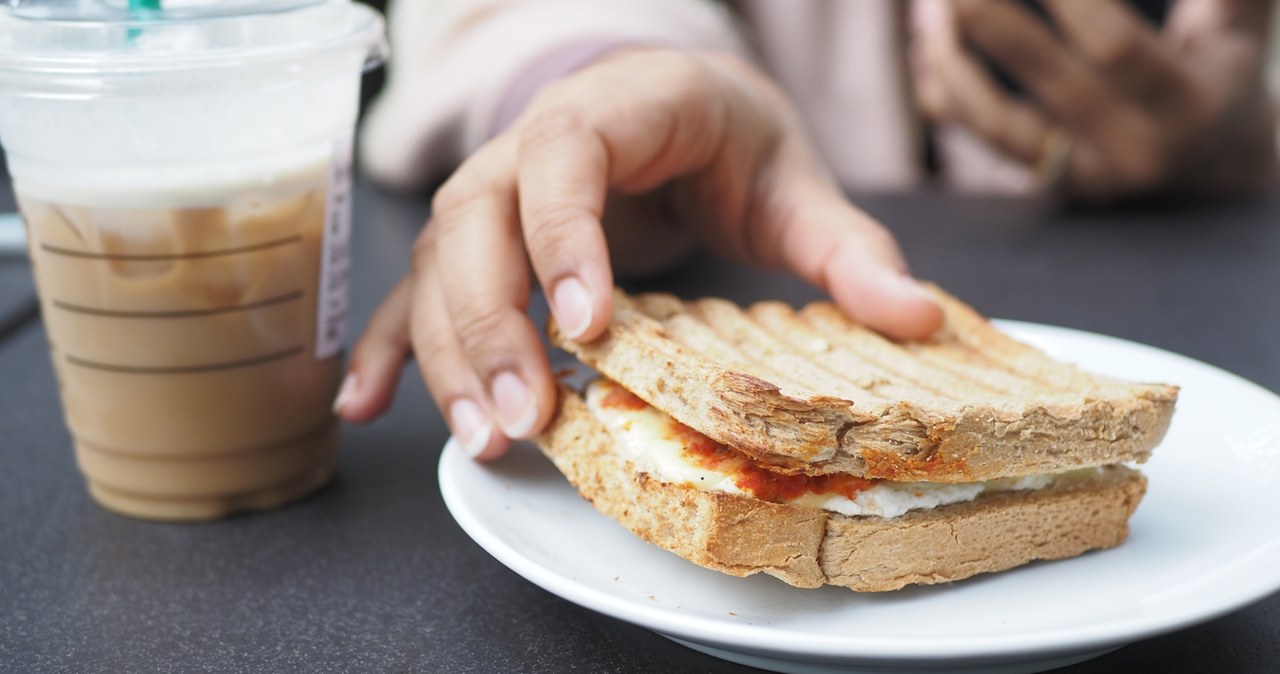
(186, 191)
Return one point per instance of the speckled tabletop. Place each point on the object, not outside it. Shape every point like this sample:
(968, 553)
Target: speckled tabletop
(373, 575)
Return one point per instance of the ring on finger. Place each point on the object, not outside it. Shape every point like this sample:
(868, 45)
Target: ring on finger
(1055, 157)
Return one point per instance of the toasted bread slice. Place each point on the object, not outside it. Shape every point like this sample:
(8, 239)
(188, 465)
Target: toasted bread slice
(804, 547)
(811, 391)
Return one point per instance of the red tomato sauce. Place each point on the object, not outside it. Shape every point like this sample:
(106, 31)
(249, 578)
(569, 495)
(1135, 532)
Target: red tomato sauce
(764, 484)
(890, 466)
(619, 398)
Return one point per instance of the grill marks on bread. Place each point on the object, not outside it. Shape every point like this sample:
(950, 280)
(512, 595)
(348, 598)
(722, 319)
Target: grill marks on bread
(811, 391)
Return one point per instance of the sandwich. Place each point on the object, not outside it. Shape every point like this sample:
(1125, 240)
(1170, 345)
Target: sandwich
(805, 446)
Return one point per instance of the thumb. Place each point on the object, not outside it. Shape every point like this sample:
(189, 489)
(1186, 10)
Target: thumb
(838, 248)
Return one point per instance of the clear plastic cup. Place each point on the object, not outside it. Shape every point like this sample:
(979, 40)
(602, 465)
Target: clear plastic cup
(184, 175)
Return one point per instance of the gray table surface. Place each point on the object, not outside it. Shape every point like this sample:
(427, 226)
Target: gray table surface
(372, 574)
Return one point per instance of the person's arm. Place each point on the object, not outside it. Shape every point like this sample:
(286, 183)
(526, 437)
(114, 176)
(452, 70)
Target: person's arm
(463, 70)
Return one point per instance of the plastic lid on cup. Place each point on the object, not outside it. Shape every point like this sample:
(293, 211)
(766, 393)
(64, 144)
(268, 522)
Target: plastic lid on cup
(134, 10)
(90, 46)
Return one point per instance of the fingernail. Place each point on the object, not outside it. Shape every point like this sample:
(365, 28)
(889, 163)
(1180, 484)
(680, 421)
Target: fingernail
(471, 427)
(572, 307)
(515, 405)
(918, 288)
(345, 392)
(907, 284)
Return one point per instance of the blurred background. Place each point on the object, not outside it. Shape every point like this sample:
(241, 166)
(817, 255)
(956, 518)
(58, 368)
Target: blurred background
(373, 81)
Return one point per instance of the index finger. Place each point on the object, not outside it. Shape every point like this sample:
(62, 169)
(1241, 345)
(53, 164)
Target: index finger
(563, 179)
(661, 122)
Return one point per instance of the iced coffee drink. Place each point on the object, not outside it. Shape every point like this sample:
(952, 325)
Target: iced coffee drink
(185, 342)
(184, 175)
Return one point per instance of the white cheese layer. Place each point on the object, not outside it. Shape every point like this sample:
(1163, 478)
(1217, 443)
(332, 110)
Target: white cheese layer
(645, 438)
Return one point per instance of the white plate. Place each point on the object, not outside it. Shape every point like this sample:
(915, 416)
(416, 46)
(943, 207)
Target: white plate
(1204, 542)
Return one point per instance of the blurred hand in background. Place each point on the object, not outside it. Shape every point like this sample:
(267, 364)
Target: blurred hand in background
(1113, 106)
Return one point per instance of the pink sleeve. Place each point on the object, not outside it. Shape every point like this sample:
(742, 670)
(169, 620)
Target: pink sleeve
(463, 69)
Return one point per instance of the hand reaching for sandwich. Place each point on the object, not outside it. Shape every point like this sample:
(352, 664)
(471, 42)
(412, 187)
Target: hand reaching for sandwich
(1114, 106)
(710, 141)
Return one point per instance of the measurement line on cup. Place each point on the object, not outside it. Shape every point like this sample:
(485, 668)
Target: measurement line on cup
(187, 369)
(168, 257)
(180, 313)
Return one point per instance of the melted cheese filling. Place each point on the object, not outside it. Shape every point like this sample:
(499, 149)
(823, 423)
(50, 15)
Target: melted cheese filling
(672, 452)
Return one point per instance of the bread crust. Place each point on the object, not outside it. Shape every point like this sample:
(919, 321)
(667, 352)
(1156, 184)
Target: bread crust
(813, 392)
(808, 548)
